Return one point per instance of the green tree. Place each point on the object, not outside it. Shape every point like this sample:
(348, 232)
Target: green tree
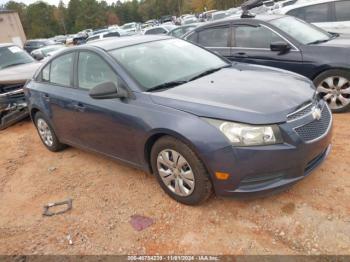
(41, 21)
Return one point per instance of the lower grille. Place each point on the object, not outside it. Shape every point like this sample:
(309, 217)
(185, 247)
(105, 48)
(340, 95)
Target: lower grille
(314, 162)
(261, 179)
(316, 128)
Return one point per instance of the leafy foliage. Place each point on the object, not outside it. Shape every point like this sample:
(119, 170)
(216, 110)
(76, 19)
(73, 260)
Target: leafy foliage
(43, 20)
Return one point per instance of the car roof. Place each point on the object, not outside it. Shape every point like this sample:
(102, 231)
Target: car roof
(120, 42)
(264, 18)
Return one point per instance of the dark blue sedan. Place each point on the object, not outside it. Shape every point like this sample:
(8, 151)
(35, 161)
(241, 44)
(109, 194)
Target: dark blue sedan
(171, 108)
(288, 43)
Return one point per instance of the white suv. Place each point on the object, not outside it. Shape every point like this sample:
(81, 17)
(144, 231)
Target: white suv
(331, 15)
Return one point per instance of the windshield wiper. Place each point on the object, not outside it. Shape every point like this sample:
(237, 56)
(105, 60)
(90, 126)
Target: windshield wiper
(208, 72)
(13, 65)
(319, 41)
(167, 85)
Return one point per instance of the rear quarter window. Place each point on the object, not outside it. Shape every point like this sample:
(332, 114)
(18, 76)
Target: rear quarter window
(342, 11)
(313, 14)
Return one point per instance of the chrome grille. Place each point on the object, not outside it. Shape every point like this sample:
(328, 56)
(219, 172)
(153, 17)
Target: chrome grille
(301, 112)
(316, 128)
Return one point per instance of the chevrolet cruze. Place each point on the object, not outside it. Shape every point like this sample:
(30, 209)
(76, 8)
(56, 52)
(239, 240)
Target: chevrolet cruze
(195, 120)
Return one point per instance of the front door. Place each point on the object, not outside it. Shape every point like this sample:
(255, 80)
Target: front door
(105, 126)
(216, 39)
(252, 45)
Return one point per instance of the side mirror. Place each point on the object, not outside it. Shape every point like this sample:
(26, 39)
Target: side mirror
(108, 90)
(38, 56)
(281, 47)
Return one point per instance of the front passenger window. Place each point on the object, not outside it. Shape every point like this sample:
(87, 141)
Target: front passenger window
(93, 70)
(214, 37)
(255, 37)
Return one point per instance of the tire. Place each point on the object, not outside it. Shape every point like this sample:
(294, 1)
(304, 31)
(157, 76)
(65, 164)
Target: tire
(47, 134)
(334, 87)
(186, 167)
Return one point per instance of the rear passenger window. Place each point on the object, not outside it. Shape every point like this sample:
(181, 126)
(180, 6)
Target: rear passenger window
(342, 11)
(93, 70)
(255, 37)
(61, 69)
(214, 37)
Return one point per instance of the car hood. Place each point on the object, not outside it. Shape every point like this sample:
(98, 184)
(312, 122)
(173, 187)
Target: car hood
(243, 93)
(341, 41)
(17, 74)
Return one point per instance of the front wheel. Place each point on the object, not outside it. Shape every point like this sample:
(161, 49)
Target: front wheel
(180, 172)
(334, 87)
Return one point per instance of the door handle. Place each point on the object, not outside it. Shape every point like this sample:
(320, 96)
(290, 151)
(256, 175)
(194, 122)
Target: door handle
(79, 107)
(46, 97)
(240, 54)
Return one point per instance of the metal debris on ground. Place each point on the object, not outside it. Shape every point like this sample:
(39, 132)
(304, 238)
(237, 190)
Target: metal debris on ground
(140, 223)
(47, 207)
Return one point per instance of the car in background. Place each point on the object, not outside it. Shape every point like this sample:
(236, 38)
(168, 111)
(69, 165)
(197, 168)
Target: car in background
(131, 28)
(331, 15)
(205, 16)
(190, 19)
(16, 67)
(182, 30)
(109, 33)
(33, 44)
(166, 18)
(288, 43)
(41, 53)
(185, 114)
(159, 30)
(99, 31)
(59, 39)
(218, 15)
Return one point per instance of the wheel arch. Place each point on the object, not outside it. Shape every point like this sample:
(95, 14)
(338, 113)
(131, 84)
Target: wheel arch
(156, 135)
(326, 68)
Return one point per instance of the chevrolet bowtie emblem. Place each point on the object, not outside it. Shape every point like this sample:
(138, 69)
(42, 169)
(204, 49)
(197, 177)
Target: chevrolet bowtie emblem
(316, 113)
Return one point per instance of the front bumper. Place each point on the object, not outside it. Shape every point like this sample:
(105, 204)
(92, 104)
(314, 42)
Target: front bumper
(263, 170)
(13, 106)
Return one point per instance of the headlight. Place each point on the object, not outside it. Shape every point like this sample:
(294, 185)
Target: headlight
(248, 135)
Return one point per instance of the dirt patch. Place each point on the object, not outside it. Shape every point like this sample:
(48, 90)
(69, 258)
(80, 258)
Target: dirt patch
(311, 218)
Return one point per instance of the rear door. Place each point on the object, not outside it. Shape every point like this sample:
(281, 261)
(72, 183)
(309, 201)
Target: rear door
(57, 95)
(216, 38)
(251, 44)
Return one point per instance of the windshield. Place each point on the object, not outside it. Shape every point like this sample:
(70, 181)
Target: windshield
(300, 30)
(156, 63)
(13, 55)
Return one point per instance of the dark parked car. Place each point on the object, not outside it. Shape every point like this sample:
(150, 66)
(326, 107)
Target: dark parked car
(187, 115)
(31, 45)
(288, 43)
(16, 67)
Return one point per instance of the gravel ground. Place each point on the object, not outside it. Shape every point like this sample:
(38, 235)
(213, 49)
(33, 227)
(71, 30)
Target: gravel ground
(311, 218)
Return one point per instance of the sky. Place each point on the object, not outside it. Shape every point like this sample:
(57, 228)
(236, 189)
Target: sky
(51, 2)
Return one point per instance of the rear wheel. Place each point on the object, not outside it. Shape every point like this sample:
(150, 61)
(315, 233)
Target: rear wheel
(47, 134)
(334, 87)
(180, 172)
